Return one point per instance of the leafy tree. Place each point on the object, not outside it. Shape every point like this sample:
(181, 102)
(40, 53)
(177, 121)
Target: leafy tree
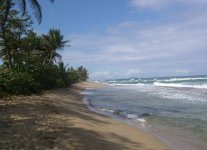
(11, 33)
(73, 75)
(83, 73)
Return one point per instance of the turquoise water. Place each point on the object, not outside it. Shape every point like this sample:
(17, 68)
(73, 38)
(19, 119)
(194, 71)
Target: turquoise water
(173, 107)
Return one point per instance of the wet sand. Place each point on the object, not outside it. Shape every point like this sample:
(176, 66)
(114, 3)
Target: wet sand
(58, 119)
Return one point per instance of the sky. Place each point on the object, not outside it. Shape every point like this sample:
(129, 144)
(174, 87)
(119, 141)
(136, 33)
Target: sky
(131, 38)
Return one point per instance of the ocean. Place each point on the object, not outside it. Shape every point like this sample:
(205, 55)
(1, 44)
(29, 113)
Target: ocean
(173, 109)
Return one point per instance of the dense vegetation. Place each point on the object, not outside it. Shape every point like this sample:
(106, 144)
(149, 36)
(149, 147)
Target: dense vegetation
(31, 62)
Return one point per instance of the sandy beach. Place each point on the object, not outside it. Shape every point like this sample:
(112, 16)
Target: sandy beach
(58, 119)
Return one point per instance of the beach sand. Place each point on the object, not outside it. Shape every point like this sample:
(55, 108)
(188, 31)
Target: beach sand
(58, 119)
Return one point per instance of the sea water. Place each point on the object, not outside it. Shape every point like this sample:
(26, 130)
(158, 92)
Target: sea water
(173, 109)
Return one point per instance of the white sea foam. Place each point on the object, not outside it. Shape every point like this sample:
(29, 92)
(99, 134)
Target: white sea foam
(141, 120)
(191, 95)
(87, 93)
(122, 84)
(96, 81)
(131, 116)
(106, 110)
(187, 97)
(203, 86)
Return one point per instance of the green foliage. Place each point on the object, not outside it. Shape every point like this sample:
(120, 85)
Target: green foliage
(12, 33)
(31, 62)
(14, 82)
(45, 75)
(73, 75)
(37, 78)
(83, 73)
(54, 41)
(77, 75)
(63, 77)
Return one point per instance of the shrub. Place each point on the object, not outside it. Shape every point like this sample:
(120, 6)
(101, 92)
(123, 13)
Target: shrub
(46, 76)
(73, 76)
(14, 82)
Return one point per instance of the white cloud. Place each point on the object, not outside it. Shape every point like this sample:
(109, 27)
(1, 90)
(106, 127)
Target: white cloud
(182, 71)
(132, 73)
(159, 4)
(114, 75)
(103, 75)
(150, 4)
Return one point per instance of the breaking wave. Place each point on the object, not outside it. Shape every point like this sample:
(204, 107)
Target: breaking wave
(177, 85)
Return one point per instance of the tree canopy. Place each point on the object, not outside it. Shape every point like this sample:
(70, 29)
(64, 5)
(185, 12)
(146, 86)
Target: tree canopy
(31, 62)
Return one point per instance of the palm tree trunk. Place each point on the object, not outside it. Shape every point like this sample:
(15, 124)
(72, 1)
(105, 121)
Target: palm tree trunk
(51, 55)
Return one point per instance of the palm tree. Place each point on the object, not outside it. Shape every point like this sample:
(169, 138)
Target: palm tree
(53, 41)
(35, 5)
(6, 7)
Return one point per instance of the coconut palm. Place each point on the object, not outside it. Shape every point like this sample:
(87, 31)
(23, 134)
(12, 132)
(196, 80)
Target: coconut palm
(53, 41)
(35, 5)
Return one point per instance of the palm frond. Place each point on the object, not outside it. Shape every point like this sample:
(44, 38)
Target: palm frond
(37, 10)
(56, 55)
(23, 7)
(52, 1)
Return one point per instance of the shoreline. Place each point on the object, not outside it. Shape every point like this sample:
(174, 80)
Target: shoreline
(59, 119)
(171, 135)
(125, 123)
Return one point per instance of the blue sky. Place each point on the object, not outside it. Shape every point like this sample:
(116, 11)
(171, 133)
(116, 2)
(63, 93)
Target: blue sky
(131, 38)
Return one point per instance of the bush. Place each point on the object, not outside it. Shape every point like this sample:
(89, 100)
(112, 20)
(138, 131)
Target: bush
(14, 82)
(46, 76)
(73, 76)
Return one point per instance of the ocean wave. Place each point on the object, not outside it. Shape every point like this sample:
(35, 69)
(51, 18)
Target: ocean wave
(183, 79)
(153, 80)
(186, 97)
(126, 84)
(203, 86)
(125, 115)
